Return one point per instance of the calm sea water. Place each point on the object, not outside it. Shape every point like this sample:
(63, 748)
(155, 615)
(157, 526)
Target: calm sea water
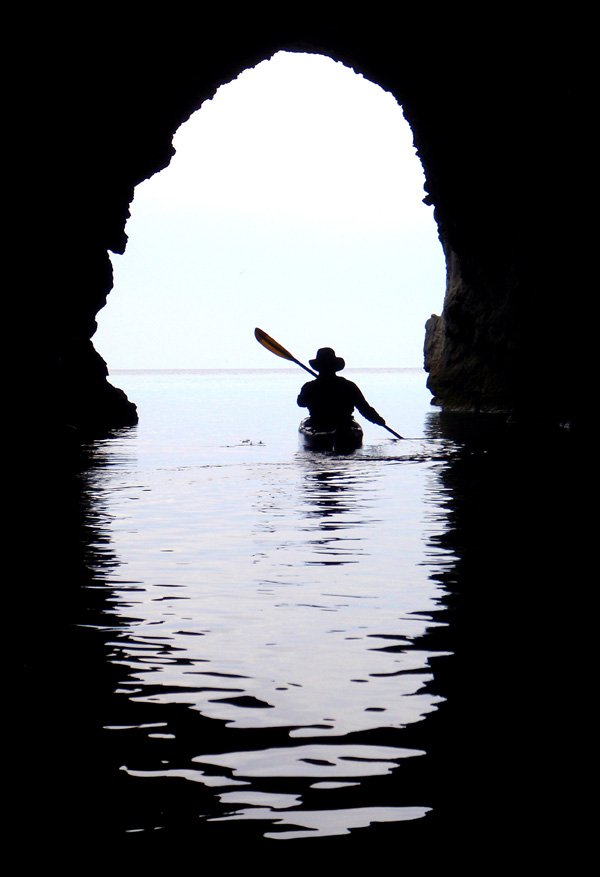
(276, 646)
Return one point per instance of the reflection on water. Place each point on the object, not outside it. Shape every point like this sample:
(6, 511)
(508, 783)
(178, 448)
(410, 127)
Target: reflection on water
(255, 644)
(297, 609)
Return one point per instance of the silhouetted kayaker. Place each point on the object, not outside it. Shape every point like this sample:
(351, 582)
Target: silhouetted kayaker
(331, 399)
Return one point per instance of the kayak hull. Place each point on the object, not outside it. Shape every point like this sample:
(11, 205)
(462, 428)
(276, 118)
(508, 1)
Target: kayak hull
(341, 440)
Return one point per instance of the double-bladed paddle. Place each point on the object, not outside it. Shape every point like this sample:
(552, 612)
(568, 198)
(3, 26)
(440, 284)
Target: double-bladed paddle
(276, 348)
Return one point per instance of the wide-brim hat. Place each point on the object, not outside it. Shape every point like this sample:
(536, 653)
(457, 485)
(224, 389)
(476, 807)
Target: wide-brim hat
(327, 360)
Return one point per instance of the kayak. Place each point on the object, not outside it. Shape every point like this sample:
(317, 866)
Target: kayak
(341, 439)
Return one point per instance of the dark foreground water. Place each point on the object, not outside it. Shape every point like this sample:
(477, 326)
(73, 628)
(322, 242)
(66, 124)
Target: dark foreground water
(242, 647)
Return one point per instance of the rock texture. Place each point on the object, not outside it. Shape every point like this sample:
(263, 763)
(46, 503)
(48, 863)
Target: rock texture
(498, 115)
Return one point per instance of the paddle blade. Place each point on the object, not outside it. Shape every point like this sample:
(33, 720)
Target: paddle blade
(272, 345)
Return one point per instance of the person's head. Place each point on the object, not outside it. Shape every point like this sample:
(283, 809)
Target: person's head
(326, 362)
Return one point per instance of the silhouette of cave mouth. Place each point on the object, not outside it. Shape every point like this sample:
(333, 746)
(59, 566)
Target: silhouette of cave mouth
(312, 220)
(498, 169)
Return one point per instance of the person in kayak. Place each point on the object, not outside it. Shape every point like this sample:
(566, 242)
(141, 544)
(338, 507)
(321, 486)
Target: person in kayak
(331, 399)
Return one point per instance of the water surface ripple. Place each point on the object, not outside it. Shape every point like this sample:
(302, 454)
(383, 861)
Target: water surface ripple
(268, 613)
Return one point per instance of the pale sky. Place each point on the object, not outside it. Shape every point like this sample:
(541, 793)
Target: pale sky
(293, 203)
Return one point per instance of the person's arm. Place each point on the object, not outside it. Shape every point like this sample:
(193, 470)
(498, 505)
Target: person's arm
(367, 411)
(303, 396)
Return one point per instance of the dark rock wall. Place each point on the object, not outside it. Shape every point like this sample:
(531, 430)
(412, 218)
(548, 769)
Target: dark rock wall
(497, 110)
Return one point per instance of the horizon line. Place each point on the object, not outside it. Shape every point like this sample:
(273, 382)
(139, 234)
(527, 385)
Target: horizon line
(152, 369)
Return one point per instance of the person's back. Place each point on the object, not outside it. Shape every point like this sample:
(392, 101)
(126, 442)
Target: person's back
(330, 399)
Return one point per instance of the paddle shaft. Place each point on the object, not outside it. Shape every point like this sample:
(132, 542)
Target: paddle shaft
(276, 348)
(305, 367)
(389, 429)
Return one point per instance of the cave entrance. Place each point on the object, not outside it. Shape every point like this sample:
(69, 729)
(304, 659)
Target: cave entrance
(293, 202)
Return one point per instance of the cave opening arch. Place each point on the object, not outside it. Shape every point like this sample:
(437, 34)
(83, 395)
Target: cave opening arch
(303, 195)
(499, 174)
